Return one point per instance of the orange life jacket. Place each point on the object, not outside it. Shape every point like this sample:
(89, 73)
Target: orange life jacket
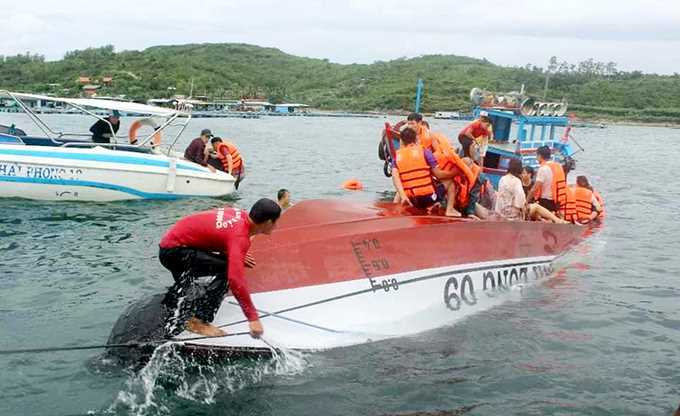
(559, 185)
(225, 148)
(423, 134)
(579, 204)
(414, 172)
(570, 208)
(465, 185)
(584, 204)
(447, 158)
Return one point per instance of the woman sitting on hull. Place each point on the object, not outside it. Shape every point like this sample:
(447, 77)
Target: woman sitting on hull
(511, 200)
(582, 203)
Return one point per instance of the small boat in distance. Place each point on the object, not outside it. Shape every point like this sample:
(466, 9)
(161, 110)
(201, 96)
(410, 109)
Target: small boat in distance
(66, 166)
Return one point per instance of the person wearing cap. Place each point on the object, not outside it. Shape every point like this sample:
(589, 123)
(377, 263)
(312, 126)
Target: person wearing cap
(196, 151)
(105, 128)
(478, 132)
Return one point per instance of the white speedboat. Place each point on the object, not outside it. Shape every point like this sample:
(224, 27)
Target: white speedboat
(62, 166)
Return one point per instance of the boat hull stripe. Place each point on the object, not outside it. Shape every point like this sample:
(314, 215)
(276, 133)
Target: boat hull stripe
(99, 185)
(128, 160)
(413, 280)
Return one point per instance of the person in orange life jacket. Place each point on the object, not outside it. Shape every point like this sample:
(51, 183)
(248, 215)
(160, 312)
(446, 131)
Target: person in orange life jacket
(227, 158)
(582, 205)
(550, 186)
(458, 188)
(415, 122)
(412, 172)
(212, 243)
(472, 207)
(479, 132)
(511, 199)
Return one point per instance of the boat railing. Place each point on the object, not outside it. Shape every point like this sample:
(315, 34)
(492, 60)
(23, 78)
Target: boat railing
(6, 138)
(54, 136)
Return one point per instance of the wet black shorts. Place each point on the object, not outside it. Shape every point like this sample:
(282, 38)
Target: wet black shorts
(548, 204)
(424, 201)
(187, 297)
(466, 142)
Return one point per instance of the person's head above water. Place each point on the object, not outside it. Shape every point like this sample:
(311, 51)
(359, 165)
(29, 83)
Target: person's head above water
(283, 196)
(408, 136)
(263, 214)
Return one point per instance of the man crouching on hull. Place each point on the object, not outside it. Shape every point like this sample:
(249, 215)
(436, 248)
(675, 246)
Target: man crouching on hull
(212, 243)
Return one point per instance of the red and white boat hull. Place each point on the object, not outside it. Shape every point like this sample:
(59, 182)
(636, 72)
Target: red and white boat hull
(337, 274)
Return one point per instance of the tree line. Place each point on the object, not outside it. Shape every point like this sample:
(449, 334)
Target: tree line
(232, 71)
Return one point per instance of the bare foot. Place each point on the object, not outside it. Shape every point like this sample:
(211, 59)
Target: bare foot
(197, 326)
(453, 213)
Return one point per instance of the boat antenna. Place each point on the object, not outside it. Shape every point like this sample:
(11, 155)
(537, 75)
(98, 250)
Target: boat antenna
(419, 93)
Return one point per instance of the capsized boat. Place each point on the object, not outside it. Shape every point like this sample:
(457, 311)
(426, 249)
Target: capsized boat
(336, 273)
(62, 166)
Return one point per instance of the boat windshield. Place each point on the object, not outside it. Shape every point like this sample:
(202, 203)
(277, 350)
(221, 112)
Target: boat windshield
(96, 108)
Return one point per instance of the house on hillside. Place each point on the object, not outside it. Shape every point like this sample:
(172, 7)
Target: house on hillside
(108, 81)
(89, 91)
(84, 80)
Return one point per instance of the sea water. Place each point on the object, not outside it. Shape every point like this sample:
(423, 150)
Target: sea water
(601, 336)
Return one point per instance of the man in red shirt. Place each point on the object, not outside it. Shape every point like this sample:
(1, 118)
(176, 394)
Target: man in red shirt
(475, 132)
(213, 243)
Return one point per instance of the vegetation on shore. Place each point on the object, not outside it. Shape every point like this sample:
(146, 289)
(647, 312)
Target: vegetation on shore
(230, 71)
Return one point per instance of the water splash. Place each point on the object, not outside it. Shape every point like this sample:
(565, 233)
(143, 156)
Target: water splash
(170, 375)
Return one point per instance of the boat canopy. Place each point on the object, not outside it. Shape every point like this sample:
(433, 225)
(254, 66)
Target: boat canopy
(125, 106)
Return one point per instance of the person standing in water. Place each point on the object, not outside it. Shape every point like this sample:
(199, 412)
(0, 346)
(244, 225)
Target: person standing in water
(213, 243)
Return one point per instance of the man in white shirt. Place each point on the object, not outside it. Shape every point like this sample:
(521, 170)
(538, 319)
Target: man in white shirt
(544, 181)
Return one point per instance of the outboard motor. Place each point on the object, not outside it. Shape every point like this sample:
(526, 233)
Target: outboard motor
(385, 155)
(388, 144)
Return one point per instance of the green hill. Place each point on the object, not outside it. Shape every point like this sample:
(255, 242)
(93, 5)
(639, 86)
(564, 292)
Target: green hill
(236, 70)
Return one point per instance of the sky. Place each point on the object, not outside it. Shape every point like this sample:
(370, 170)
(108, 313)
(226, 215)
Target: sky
(637, 35)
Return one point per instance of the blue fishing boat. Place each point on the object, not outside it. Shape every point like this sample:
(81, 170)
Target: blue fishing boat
(517, 136)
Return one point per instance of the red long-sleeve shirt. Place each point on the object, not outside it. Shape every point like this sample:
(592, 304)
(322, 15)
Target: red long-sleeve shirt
(224, 230)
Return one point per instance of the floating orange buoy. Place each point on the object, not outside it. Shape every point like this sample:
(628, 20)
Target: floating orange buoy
(352, 185)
